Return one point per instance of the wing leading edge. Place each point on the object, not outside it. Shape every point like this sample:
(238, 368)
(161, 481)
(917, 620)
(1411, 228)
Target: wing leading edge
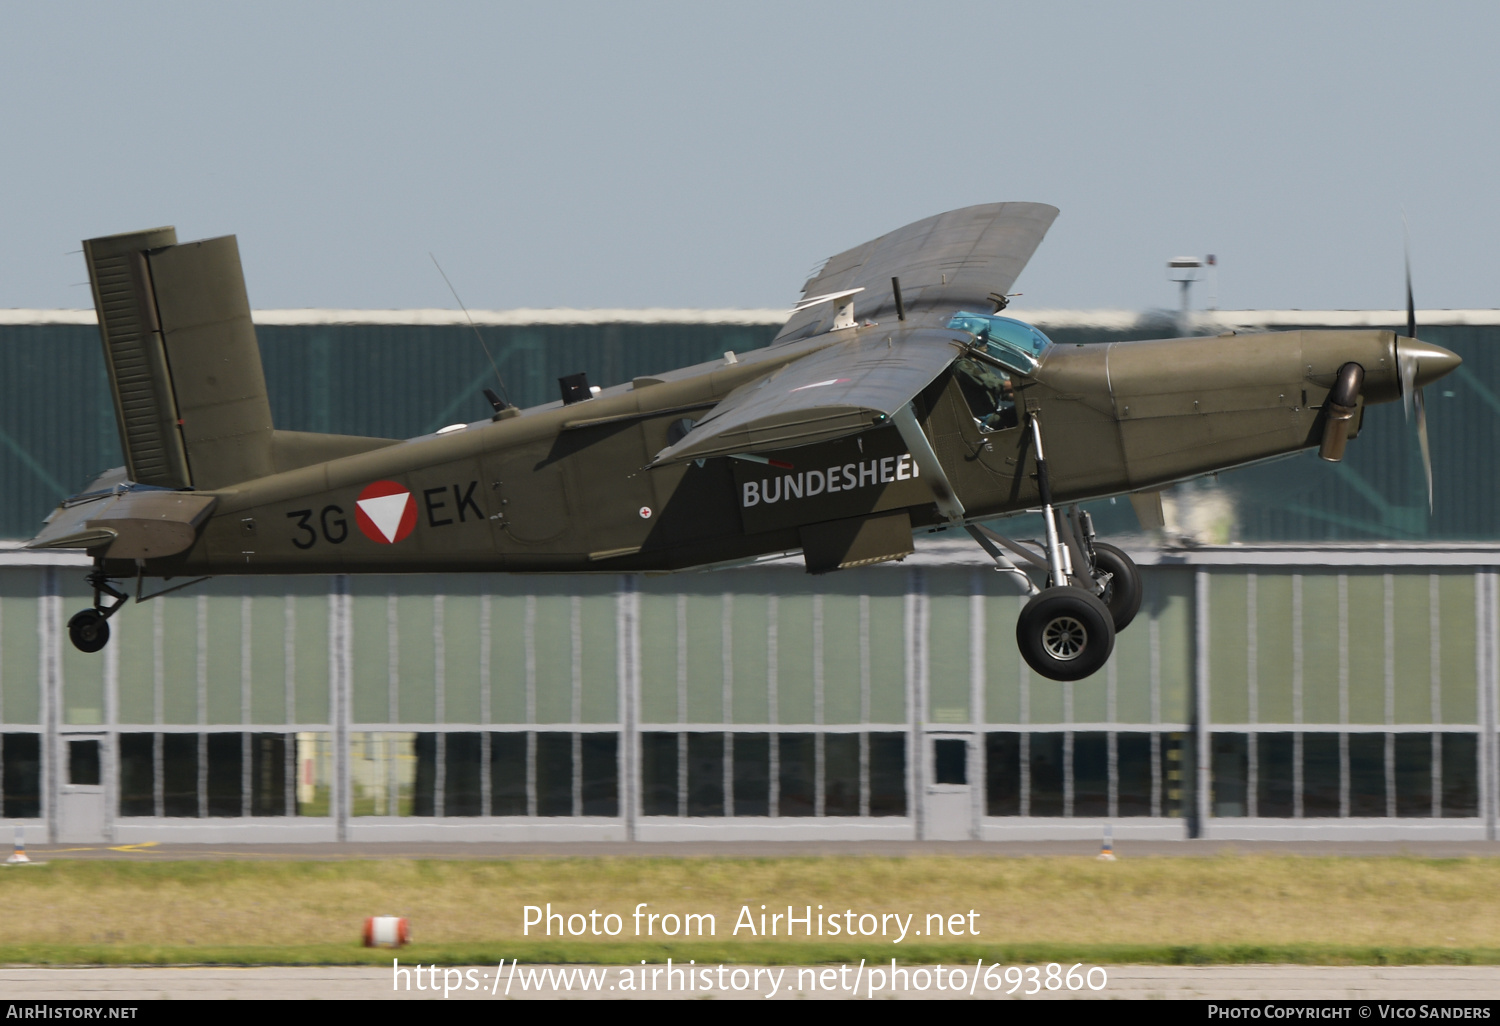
(841, 390)
(946, 263)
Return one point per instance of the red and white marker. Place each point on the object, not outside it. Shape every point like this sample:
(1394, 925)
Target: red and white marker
(387, 932)
(645, 512)
(385, 512)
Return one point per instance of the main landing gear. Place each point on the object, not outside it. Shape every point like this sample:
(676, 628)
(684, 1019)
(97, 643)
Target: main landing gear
(89, 629)
(1067, 630)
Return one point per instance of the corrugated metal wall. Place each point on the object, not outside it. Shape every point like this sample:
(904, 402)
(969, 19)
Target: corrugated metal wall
(57, 425)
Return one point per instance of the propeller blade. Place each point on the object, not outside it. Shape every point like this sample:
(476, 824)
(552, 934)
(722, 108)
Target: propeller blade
(1411, 395)
(1426, 448)
(1411, 306)
(1406, 367)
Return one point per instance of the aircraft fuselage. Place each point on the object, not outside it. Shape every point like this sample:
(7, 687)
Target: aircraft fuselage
(564, 488)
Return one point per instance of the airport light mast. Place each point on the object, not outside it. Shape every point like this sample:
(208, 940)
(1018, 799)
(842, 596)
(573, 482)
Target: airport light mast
(1184, 271)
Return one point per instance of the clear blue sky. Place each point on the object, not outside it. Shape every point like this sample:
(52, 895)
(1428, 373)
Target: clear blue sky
(709, 154)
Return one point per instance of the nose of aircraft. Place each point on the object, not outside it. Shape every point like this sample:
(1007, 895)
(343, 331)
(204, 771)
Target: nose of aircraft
(1431, 361)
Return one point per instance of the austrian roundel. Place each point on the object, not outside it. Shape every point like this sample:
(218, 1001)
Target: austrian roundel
(385, 512)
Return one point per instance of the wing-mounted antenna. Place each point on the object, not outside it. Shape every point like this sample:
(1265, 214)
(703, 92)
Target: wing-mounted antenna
(843, 313)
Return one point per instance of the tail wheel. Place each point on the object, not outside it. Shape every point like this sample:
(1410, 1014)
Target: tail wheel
(1065, 633)
(88, 630)
(1123, 593)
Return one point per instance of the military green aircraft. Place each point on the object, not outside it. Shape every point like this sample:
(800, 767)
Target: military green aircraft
(896, 399)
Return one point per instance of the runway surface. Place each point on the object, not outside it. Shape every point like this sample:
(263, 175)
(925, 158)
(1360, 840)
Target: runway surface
(1250, 982)
(759, 849)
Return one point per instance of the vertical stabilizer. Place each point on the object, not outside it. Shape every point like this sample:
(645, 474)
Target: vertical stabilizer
(183, 361)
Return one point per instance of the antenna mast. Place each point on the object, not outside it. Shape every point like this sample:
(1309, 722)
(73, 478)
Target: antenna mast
(504, 395)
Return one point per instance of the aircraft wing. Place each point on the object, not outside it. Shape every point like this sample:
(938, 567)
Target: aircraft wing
(841, 390)
(947, 263)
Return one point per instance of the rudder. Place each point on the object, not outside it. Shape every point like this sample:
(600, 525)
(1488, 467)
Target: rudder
(184, 365)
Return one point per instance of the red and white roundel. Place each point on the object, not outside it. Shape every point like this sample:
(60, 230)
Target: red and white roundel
(386, 512)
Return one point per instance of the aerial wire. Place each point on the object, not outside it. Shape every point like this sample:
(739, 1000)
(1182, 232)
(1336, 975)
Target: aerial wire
(504, 395)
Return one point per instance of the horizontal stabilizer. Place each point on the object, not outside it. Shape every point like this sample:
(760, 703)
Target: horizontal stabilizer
(951, 262)
(144, 524)
(832, 393)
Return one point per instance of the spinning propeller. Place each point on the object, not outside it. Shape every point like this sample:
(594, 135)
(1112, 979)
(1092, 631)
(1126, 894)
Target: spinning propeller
(1417, 363)
(1409, 354)
(1410, 393)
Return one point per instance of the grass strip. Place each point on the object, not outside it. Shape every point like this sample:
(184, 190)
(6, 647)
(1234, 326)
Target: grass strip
(1173, 911)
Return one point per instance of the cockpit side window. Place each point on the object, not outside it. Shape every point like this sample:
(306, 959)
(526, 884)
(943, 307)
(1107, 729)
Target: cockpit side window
(990, 395)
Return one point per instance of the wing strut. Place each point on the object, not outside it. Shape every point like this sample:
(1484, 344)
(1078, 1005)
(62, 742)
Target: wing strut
(927, 461)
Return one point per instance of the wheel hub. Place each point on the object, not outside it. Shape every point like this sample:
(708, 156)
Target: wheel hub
(1065, 638)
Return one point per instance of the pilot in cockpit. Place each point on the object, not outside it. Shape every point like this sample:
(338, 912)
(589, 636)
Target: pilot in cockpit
(1001, 344)
(989, 393)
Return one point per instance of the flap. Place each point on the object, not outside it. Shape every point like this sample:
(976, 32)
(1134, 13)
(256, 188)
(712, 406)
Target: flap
(840, 390)
(947, 263)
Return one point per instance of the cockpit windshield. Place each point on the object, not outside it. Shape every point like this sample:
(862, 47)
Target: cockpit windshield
(1013, 343)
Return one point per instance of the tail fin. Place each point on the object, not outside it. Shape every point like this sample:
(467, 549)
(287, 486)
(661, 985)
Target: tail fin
(184, 366)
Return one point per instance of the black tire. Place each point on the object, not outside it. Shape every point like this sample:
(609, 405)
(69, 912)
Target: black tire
(1123, 593)
(88, 630)
(1065, 633)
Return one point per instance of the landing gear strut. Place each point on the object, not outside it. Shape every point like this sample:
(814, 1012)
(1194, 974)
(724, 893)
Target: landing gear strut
(1067, 630)
(89, 629)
